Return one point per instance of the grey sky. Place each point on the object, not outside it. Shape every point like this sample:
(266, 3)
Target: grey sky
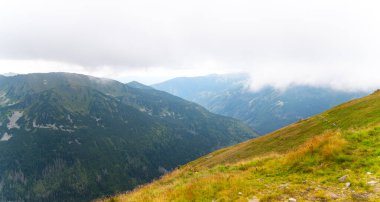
(279, 42)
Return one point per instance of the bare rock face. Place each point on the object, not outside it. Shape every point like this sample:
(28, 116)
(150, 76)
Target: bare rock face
(254, 199)
(292, 200)
(372, 182)
(343, 178)
(6, 137)
(16, 115)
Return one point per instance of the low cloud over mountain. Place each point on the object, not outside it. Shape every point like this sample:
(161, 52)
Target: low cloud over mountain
(324, 43)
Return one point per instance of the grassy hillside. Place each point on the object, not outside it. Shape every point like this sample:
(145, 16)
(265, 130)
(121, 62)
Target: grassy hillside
(334, 156)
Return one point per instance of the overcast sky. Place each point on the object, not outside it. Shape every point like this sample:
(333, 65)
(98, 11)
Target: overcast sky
(279, 42)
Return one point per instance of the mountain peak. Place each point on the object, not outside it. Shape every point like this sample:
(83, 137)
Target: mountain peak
(139, 85)
(94, 137)
(10, 74)
(331, 156)
(229, 95)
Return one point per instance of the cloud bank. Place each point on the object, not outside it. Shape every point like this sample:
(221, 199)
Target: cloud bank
(279, 43)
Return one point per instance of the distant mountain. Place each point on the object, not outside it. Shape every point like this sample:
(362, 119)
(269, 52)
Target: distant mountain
(71, 137)
(10, 74)
(333, 156)
(265, 110)
(136, 84)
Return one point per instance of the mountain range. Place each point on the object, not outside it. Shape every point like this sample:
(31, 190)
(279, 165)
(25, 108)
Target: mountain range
(266, 109)
(332, 156)
(72, 137)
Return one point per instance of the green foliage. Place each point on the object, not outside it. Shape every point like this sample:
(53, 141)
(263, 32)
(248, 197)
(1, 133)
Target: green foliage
(305, 173)
(307, 163)
(265, 110)
(82, 137)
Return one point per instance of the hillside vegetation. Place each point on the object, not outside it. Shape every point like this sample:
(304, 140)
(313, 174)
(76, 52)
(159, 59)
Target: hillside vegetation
(70, 137)
(266, 109)
(334, 156)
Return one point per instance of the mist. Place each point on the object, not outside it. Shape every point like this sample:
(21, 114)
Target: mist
(279, 43)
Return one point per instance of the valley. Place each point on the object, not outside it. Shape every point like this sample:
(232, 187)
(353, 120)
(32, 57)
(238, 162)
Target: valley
(264, 110)
(71, 137)
(333, 156)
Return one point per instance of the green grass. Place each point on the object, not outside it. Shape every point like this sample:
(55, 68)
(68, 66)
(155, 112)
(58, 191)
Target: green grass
(310, 172)
(303, 161)
(360, 113)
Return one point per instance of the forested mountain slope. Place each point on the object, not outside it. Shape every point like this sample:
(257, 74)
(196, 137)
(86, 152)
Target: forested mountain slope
(265, 110)
(71, 137)
(333, 156)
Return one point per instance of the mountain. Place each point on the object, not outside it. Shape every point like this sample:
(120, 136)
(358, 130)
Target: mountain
(333, 156)
(71, 137)
(10, 74)
(264, 110)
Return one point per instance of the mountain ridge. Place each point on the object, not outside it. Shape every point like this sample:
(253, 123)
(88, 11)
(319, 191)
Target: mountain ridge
(264, 110)
(333, 156)
(72, 137)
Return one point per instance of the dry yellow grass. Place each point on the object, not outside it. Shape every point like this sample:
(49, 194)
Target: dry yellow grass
(303, 160)
(177, 185)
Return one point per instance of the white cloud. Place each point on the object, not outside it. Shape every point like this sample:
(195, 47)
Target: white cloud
(279, 42)
(147, 75)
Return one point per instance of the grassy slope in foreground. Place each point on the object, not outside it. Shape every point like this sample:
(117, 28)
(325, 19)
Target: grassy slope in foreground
(304, 161)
